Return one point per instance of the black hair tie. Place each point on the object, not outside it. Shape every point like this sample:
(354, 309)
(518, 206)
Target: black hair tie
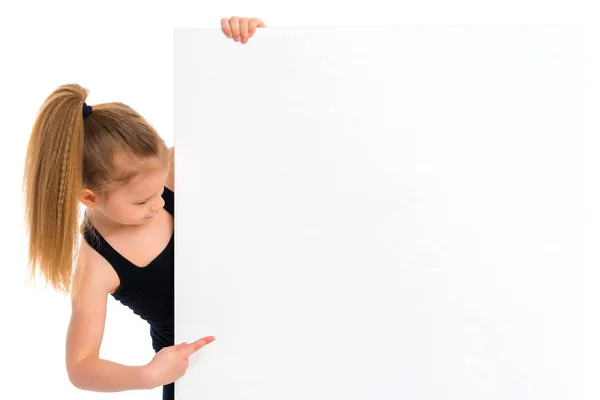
(87, 110)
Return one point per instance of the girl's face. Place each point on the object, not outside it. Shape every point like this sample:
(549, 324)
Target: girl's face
(140, 200)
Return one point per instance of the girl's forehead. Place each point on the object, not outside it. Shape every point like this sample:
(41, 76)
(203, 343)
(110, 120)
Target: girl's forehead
(143, 184)
(144, 181)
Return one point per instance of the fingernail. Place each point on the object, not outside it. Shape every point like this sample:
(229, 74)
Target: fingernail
(245, 39)
(237, 38)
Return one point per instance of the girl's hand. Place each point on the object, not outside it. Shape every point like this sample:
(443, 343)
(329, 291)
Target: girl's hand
(240, 29)
(171, 363)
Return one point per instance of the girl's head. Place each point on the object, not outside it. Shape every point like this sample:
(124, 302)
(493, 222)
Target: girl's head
(111, 160)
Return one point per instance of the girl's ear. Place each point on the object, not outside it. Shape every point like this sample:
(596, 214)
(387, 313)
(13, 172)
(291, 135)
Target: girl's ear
(170, 183)
(88, 198)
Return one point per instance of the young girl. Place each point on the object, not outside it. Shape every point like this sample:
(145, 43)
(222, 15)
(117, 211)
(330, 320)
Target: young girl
(111, 160)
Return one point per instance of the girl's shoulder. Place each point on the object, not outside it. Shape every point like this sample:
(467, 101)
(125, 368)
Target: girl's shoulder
(91, 269)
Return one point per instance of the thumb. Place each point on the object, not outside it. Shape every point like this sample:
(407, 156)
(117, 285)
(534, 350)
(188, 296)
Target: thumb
(179, 346)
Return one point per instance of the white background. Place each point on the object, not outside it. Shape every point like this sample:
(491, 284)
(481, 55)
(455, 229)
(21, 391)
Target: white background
(390, 213)
(123, 51)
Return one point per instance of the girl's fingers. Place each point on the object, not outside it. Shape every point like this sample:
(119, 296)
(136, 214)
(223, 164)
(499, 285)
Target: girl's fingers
(179, 346)
(241, 29)
(235, 28)
(197, 345)
(225, 27)
(253, 24)
(244, 29)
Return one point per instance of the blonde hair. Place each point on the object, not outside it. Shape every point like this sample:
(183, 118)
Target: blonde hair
(67, 153)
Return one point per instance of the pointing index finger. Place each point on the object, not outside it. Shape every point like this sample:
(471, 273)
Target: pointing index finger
(197, 345)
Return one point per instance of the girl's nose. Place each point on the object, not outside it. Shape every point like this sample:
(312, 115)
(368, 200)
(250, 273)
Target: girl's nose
(160, 205)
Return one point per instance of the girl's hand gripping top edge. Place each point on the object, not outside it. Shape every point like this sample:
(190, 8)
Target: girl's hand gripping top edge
(240, 28)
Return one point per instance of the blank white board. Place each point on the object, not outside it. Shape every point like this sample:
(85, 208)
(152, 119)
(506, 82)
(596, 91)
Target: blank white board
(382, 213)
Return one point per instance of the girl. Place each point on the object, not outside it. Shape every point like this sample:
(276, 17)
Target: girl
(111, 160)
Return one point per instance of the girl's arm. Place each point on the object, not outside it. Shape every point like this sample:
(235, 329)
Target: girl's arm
(94, 280)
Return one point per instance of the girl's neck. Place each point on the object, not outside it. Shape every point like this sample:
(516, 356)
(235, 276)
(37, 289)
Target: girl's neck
(105, 225)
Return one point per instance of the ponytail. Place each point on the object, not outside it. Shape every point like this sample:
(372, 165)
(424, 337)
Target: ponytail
(52, 182)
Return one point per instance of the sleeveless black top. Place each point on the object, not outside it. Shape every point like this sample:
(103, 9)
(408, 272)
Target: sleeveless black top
(148, 291)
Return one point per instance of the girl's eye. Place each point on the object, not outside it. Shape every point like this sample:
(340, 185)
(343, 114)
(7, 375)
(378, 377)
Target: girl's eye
(139, 204)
